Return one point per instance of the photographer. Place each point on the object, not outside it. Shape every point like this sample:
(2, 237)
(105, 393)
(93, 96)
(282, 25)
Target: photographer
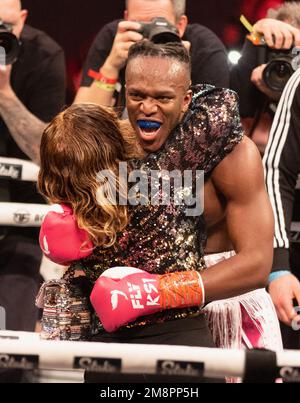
(282, 167)
(32, 92)
(109, 51)
(258, 82)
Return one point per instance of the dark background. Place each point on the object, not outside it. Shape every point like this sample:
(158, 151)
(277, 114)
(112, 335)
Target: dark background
(74, 23)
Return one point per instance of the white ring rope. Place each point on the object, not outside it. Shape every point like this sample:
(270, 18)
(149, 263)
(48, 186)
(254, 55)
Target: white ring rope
(135, 358)
(16, 169)
(22, 215)
(16, 348)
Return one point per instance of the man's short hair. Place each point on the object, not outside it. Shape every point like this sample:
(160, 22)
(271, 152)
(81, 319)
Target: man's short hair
(173, 50)
(287, 12)
(178, 5)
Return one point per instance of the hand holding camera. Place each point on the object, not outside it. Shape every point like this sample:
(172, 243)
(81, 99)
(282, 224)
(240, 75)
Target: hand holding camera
(126, 36)
(258, 81)
(9, 43)
(277, 34)
(5, 77)
(276, 55)
(159, 30)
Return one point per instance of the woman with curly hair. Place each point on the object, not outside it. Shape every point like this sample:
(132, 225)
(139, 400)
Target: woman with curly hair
(81, 142)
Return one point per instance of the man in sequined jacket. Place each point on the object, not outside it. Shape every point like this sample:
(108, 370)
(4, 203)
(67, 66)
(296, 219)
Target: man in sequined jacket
(181, 129)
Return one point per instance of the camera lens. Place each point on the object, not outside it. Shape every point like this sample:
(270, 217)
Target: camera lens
(11, 46)
(160, 31)
(160, 36)
(277, 73)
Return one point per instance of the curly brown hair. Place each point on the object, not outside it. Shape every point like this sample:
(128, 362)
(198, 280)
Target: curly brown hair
(80, 142)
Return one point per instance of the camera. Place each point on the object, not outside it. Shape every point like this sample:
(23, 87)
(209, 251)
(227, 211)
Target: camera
(9, 42)
(159, 30)
(281, 65)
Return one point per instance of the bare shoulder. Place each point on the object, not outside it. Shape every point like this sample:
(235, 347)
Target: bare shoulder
(245, 152)
(241, 170)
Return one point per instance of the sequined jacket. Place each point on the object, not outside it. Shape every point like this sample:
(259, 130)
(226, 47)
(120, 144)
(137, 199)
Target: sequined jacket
(164, 238)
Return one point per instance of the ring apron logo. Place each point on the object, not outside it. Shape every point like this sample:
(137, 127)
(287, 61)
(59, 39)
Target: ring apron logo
(13, 361)
(180, 368)
(99, 365)
(10, 171)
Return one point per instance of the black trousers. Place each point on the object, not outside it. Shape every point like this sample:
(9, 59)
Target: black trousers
(191, 332)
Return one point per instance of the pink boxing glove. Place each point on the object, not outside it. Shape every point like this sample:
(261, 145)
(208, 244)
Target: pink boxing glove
(123, 294)
(61, 240)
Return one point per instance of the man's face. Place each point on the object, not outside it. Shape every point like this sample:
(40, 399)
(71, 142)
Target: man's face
(146, 11)
(10, 12)
(157, 97)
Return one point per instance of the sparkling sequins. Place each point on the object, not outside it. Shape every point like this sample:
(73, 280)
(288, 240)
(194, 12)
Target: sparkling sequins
(66, 310)
(162, 239)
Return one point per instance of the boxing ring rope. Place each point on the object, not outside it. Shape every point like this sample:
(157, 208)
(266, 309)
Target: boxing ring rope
(16, 169)
(27, 351)
(25, 215)
(22, 215)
